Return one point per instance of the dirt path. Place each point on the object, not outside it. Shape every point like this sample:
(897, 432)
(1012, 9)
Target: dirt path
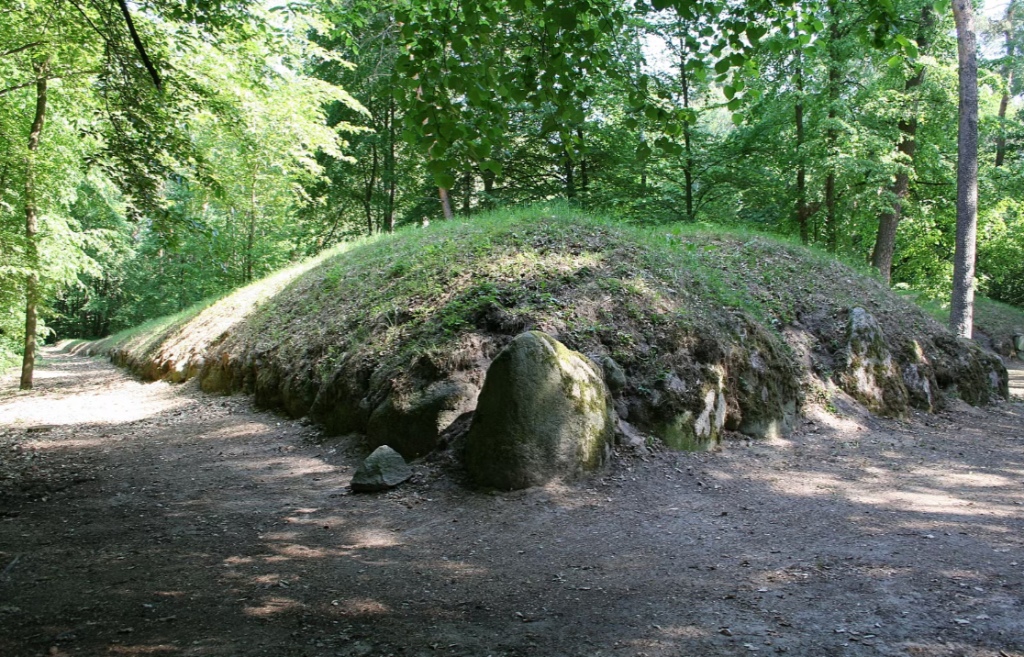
(147, 519)
(1016, 370)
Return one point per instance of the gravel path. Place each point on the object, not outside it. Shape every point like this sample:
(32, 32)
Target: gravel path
(150, 519)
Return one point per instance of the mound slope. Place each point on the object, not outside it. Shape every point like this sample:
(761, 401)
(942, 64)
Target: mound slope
(700, 333)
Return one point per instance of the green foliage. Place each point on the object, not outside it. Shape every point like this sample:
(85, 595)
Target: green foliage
(281, 132)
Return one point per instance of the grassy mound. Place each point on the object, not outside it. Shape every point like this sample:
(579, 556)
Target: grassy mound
(995, 324)
(391, 337)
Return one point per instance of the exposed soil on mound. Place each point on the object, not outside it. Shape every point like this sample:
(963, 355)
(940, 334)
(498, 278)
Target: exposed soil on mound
(151, 519)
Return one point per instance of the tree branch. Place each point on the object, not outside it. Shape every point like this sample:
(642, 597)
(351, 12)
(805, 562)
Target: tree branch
(24, 47)
(52, 77)
(138, 44)
(16, 87)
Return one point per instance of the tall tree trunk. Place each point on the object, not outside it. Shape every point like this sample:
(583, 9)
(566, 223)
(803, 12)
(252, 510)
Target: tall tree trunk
(1008, 80)
(584, 176)
(832, 137)
(570, 181)
(32, 227)
(488, 177)
(446, 206)
(371, 182)
(888, 222)
(687, 142)
(467, 199)
(961, 312)
(389, 218)
(250, 240)
(803, 216)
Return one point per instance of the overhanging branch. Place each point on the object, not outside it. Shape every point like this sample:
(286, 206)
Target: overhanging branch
(138, 44)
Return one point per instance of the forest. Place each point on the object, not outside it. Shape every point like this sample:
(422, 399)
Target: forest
(169, 151)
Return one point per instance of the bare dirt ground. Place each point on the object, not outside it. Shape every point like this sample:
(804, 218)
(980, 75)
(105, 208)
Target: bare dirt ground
(149, 519)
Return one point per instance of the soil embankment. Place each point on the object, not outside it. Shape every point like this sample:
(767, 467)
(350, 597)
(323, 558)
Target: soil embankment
(140, 519)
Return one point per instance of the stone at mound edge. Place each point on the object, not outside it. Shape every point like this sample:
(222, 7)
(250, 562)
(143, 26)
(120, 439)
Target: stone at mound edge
(544, 412)
(383, 469)
(871, 375)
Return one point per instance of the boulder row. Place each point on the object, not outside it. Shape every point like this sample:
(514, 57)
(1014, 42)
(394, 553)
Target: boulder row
(544, 412)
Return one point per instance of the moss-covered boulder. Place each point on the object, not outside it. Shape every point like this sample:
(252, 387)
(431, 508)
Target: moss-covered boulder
(544, 412)
(870, 374)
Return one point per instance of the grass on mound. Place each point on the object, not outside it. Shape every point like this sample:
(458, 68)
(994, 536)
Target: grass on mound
(993, 318)
(588, 278)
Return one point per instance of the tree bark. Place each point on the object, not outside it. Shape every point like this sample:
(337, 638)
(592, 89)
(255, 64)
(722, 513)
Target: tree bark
(803, 216)
(832, 137)
(888, 222)
(488, 177)
(368, 195)
(32, 228)
(961, 312)
(467, 199)
(446, 206)
(1008, 79)
(138, 45)
(687, 142)
(250, 238)
(570, 180)
(389, 218)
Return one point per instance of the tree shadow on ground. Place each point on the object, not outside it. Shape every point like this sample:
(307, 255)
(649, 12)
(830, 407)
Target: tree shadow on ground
(208, 528)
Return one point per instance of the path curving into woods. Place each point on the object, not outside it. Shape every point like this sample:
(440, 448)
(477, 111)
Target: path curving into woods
(151, 519)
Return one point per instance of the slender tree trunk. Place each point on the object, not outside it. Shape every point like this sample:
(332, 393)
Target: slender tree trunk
(832, 137)
(1008, 78)
(250, 240)
(32, 228)
(467, 199)
(584, 176)
(1001, 139)
(803, 216)
(687, 142)
(961, 312)
(888, 222)
(446, 206)
(368, 195)
(570, 181)
(389, 220)
(488, 177)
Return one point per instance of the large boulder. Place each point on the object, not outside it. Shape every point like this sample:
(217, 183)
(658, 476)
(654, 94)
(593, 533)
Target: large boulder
(544, 412)
(383, 469)
(869, 373)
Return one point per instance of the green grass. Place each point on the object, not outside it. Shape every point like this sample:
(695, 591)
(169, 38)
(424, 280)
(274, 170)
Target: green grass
(999, 321)
(412, 297)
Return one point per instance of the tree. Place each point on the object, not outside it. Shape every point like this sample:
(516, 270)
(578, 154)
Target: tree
(961, 313)
(41, 68)
(888, 222)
